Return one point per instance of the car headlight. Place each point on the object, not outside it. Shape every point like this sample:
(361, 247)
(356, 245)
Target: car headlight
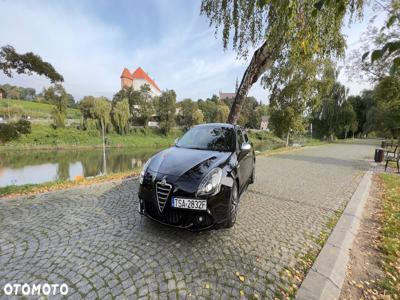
(141, 176)
(211, 184)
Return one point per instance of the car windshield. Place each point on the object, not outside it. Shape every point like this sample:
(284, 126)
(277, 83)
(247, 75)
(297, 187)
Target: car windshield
(208, 138)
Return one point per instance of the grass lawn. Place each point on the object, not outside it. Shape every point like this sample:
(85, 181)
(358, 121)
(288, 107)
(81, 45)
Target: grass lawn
(36, 109)
(390, 243)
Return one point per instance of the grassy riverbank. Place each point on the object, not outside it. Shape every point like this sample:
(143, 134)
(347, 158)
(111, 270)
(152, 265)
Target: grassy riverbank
(34, 109)
(45, 137)
(28, 189)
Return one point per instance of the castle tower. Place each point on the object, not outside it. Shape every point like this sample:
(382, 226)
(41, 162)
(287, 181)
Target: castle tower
(126, 79)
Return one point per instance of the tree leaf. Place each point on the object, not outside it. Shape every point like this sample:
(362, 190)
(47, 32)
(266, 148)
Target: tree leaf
(393, 46)
(376, 54)
(396, 62)
(391, 21)
(365, 55)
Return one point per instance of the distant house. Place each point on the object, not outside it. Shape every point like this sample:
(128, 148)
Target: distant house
(2, 93)
(138, 78)
(264, 123)
(223, 96)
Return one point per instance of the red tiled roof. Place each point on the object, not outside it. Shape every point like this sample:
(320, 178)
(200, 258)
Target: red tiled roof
(126, 74)
(139, 73)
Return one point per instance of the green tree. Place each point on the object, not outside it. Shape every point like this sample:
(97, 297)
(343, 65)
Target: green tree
(386, 55)
(209, 109)
(57, 96)
(361, 105)
(141, 104)
(146, 107)
(347, 117)
(288, 31)
(330, 111)
(387, 96)
(221, 113)
(354, 127)
(186, 115)
(27, 63)
(165, 109)
(198, 117)
(86, 106)
(286, 111)
(120, 113)
(102, 109)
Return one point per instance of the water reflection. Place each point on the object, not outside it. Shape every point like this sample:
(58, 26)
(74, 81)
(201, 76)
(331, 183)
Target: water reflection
(28, 167)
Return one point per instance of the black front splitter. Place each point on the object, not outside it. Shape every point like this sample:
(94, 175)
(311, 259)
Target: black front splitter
(188, 227)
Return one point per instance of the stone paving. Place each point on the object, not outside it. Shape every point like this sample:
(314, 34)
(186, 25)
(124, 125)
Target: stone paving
(94, 240)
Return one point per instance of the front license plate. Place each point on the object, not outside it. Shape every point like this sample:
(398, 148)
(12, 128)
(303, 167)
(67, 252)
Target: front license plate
(196, 204)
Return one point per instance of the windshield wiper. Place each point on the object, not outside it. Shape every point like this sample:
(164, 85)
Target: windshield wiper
(196, 148)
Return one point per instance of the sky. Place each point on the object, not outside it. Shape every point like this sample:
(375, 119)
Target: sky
(90, 42)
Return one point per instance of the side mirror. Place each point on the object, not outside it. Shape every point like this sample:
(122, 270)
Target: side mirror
(176, 141)
(245, 147)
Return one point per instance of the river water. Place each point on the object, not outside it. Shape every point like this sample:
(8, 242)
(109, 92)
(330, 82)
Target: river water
(30, 167)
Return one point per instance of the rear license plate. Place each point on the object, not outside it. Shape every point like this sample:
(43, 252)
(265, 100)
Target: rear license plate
(195, 204)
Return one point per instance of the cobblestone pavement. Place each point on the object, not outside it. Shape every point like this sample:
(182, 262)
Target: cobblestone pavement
(93, 239)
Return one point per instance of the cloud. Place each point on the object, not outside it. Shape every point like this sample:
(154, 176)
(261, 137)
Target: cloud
(90, 42)
(90, 51)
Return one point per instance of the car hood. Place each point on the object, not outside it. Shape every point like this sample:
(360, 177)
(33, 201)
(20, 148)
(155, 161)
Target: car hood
(177, 162)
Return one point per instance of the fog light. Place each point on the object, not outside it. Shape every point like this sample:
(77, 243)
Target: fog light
(200, 219)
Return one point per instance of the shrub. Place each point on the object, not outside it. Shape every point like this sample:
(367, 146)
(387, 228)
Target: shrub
(23, 126)
(12, 131)
(8, 132)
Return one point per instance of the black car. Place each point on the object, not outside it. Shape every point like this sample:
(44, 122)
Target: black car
(197, 183)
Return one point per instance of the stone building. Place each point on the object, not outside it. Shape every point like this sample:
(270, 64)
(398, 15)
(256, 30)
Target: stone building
(138, 78)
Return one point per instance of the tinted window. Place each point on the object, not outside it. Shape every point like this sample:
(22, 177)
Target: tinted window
(208, 138)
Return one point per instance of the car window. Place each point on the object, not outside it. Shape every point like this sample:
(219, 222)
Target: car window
(208, 138)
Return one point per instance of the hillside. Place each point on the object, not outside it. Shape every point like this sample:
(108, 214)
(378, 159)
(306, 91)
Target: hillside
(34, 109)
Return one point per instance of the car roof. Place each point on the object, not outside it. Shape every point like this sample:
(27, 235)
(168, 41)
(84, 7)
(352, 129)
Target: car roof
(224, 125)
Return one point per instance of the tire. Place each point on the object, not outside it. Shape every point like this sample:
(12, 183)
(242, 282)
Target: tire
(233, 206)
(253, 174)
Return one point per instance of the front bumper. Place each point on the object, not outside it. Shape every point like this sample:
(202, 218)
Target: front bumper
(216, 213)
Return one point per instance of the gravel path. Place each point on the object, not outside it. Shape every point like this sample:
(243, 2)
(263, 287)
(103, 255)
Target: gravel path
(93, 239)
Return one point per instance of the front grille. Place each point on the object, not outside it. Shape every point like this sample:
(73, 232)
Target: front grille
(162, 193)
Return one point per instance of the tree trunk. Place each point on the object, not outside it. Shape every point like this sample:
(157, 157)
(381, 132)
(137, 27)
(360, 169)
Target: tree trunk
(104, 148)
(259, 63)
(345, 134)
